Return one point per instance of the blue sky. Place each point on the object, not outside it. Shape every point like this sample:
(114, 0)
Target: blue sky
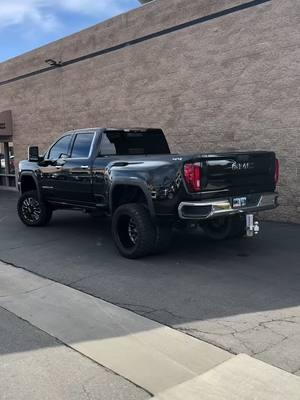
(27, 24)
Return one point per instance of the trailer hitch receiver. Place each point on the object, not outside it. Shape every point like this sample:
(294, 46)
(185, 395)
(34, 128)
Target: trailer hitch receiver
(252, 226)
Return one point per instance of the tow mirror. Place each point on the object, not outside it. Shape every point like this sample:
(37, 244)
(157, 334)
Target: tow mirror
(33, 154)
(63, 156)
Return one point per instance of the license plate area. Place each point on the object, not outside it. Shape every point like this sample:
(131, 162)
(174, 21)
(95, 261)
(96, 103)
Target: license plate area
(239, 202)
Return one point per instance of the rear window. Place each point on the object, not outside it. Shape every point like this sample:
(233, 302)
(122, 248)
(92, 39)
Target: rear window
(133, 143)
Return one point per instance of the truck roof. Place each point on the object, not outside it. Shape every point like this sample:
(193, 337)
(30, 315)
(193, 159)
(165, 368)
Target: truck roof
(134, 129)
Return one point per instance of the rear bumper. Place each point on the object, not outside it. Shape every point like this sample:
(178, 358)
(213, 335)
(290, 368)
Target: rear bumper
(206, 209)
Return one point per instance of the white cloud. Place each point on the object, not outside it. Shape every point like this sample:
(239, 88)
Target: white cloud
(91, 7)
(45, 13)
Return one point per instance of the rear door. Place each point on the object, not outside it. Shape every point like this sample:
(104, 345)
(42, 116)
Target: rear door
(106, 153)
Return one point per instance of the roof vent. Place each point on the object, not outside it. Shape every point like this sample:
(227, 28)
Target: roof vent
(145, 1)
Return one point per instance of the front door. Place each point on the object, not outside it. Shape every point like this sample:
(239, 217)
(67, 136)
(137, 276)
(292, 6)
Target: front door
(51, 176)
(76, 170)
(66, 174)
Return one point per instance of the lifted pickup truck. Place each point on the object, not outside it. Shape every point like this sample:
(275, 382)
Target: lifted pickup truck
(130, 175)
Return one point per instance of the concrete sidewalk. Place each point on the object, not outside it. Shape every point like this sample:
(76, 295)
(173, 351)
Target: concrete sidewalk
(145, 352)
(36, 366)
(159, 359)
(240, 378)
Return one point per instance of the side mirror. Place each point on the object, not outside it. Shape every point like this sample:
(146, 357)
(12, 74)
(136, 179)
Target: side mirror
(63, 156)
(33, 154)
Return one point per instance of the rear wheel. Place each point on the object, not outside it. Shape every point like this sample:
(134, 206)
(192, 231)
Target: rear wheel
(32, 210)
(133, 230)
(225, 227)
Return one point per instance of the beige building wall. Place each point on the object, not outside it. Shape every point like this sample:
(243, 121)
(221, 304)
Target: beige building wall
(229, 83)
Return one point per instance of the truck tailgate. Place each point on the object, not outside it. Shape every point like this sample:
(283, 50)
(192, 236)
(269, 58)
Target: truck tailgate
(239, 173)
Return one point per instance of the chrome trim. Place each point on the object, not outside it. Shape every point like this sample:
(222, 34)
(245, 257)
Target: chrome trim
(267, 201)
(214, 191)
(48, 187)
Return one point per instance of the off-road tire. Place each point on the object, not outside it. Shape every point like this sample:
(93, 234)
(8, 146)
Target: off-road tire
(139, 241)
(42, 214)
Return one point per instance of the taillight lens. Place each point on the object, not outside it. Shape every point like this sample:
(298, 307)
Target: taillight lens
(192, 175)
(276, 174)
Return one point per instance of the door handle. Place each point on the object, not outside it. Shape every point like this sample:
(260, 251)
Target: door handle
(84, 167)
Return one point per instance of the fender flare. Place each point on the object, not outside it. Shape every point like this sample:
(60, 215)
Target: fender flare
(34, 177)
(132, 182)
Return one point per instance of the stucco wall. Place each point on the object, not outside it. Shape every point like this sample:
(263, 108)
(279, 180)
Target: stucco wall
(229, 83)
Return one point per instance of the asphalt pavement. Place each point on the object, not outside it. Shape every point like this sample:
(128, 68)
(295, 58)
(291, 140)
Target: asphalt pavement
(242, 295)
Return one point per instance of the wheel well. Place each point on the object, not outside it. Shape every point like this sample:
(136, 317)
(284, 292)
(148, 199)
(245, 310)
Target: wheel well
(124, 194)
(27, 184)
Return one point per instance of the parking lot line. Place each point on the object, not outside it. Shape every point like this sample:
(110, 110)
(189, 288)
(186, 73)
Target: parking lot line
(147, 353)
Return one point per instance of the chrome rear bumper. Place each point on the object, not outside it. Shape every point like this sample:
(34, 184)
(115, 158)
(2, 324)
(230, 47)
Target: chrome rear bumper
(215, 208)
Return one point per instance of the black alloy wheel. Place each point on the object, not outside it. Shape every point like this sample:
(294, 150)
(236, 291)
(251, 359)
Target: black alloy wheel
(32, 210)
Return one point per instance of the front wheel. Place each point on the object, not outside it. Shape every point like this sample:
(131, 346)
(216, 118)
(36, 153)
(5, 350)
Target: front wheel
(222, 228)
(32, 210)
(133, 230)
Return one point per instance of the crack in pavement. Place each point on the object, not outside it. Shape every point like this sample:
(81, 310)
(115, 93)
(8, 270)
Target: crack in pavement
(147, 310)
(212, 334)
(31, 245)
(270, 347)
(81, 279)
(26, 292)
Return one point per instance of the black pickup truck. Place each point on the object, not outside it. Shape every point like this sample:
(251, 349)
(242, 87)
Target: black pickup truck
(131, 176)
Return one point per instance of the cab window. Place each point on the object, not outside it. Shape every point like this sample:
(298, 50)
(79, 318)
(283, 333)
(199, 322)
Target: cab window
(60, 147)
(82, 145)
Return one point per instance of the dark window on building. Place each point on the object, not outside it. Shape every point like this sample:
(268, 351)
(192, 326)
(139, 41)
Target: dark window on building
(82, 145)
(60, 147)
(133, 143)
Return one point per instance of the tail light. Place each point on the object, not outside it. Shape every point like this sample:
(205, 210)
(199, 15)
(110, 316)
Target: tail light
(276, 174)
(192, 176)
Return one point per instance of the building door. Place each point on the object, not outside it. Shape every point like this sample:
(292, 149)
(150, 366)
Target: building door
(7, 165)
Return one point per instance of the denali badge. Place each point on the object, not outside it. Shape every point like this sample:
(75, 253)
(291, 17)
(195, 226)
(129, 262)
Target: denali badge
(240, 165)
